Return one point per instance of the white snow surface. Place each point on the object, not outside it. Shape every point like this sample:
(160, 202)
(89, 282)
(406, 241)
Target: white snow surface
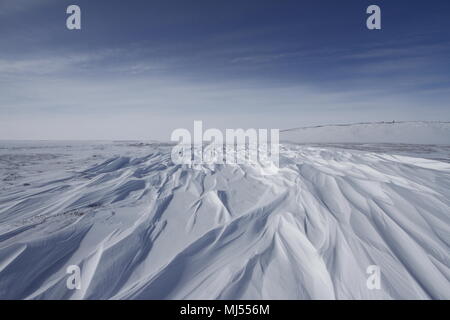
(140, 227)
(411, 132)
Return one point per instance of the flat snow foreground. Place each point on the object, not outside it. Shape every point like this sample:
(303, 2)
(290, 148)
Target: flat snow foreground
(140, 227)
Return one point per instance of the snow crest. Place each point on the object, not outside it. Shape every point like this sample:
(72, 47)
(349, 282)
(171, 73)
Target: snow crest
(411, 132)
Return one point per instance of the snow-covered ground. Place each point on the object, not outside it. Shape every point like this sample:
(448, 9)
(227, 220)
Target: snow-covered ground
(409, 132)
(140, 227)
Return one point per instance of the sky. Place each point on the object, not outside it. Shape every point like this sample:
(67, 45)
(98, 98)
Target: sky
(139, 69)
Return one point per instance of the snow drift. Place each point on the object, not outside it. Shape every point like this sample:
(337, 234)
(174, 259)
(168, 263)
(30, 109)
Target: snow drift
(412, 132)
(140, 227)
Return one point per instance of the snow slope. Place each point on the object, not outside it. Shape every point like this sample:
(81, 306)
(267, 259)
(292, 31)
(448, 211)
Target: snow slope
(140, 227)
(412, 132)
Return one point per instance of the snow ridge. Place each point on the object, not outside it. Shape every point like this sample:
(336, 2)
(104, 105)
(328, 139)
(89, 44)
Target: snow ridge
(412, 132)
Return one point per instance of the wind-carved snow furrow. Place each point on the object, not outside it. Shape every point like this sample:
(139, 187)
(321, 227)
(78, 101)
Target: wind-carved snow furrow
(211, 244)
(141, 227)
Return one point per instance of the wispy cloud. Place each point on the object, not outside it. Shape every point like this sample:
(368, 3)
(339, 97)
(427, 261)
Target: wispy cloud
(8, 7)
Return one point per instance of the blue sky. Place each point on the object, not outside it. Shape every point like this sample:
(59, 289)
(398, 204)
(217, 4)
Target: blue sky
(139, 69)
